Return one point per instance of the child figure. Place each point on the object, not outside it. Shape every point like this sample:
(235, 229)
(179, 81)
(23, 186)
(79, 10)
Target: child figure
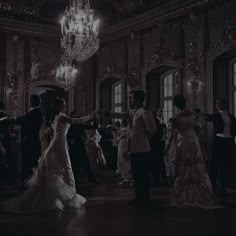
(94, 151)
(123, 164)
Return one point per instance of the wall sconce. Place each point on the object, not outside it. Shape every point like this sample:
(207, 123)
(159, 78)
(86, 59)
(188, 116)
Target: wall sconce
(132, 35)
(195, 87)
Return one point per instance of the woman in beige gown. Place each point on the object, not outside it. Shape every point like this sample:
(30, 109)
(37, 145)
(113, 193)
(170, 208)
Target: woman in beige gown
(52, 186)
(192, 186)
(94, 151)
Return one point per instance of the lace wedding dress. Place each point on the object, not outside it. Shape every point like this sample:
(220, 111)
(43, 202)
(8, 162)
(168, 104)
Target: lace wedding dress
(52, 186)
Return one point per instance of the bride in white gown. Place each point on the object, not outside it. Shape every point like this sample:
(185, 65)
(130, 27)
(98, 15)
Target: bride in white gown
(52, 186)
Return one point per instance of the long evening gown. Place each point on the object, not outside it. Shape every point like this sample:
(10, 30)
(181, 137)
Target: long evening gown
(192, 185)
(94, 151)
(52, 186)
(124, 166)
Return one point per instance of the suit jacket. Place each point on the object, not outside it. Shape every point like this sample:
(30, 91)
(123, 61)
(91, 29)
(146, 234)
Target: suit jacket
(30, 125)
(142, 128)
(218, 123)
(159, 135)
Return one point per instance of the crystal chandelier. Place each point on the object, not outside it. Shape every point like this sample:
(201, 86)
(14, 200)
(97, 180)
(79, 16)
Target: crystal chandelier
(79, 40)
(66, 75)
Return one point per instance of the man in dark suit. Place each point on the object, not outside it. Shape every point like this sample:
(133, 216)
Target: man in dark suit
(157, 145)
(78, 154)
(30, 143)
(5, 141)
(223, 153)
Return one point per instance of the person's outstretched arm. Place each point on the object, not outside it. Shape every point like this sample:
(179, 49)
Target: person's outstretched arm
(84, 119)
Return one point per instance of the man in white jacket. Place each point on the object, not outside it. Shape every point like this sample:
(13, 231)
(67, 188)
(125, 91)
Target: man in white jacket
(141, 128)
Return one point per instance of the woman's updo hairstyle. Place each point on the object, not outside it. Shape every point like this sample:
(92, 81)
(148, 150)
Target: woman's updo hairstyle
(180, 102)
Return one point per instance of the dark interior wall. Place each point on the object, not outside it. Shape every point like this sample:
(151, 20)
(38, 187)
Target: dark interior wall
(221, 74)
(220, 78)
(105, 97)
(153, 91)
(3, 62)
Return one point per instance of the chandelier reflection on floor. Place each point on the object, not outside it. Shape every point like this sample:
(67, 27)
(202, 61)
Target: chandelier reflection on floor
(79, 40)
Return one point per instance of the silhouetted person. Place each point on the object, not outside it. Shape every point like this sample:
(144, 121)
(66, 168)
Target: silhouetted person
(78, 155)
(223, 153)
(157, 144)
(5, 143)
(192, 187)
(30, 126)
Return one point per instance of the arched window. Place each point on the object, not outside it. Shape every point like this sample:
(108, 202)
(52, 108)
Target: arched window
(167, 93)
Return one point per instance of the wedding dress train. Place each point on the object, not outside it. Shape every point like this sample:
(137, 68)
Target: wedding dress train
(52, 186)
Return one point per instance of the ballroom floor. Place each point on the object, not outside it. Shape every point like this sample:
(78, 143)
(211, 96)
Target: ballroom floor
(107, 214)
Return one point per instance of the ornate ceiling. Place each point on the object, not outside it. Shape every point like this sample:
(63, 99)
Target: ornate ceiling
(110, 11)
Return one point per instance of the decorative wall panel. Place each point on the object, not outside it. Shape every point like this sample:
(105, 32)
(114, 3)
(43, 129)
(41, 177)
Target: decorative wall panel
(14, 75)
(45, 57)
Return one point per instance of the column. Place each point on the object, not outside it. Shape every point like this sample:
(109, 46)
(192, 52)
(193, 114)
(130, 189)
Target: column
(3, 61)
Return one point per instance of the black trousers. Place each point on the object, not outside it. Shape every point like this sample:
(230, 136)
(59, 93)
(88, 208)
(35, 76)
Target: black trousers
(157, 165)
(140, 169)
(222, 162)
(79, 159)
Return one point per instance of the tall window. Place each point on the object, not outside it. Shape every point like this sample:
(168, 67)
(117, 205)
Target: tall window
(167, 95)
(117, 106)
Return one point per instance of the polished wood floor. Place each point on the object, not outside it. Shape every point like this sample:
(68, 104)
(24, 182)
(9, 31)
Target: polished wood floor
(107, 214)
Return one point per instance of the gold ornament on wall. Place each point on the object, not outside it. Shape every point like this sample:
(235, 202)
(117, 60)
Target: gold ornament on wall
(111, 68)
(194, 82)
(230, 36)
(14, 75)
(134, 79)
(160, 55)
(35, 65)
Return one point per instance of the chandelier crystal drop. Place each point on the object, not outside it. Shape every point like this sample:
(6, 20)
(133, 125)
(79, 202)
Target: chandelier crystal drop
(79, 32)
